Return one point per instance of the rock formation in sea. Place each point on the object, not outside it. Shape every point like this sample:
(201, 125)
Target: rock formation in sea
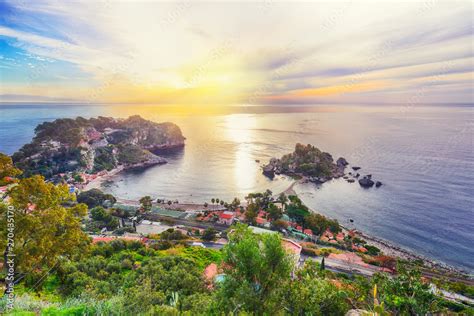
(308, 161)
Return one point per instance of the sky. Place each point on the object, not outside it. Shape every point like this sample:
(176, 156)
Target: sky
(195, 53)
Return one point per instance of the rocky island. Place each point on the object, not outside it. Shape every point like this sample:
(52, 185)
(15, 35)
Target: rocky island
(307, 161)
(77, 147)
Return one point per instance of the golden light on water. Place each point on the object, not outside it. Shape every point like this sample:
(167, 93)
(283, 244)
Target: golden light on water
(240, 130)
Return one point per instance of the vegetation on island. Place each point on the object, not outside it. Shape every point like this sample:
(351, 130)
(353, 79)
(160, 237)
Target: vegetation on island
(306, 160)
(66, 146)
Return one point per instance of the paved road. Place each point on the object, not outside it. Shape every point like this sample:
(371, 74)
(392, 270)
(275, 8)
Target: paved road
(342, 266)
(186, 222)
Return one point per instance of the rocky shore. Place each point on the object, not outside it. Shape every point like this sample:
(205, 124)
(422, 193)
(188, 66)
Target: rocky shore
(97, 182)
(313, 165)
(393, 250)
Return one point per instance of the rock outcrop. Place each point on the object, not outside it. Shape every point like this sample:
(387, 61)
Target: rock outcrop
(366, 182)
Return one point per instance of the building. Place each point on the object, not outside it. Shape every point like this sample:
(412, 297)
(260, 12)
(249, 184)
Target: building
(293, 248)
(308, 232)
(226, 218)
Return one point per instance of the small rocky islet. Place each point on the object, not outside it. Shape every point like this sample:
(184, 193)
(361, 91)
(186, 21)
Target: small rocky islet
(316, 166)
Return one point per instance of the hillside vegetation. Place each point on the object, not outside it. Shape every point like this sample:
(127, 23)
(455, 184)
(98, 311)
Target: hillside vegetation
(96, 144)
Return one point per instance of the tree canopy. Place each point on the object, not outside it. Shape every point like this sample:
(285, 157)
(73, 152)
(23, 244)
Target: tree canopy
(45, 229)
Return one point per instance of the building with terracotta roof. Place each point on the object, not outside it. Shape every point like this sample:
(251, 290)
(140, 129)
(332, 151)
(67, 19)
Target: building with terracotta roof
(261, 221)
(293, 248)
(308, 232)
(226, 218)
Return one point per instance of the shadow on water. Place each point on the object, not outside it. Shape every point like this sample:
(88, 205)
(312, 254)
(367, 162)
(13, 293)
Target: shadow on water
(175, 153)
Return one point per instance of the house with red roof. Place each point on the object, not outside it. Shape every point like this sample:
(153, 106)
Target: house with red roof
(293, 248)
(226, 218)
(308, 232)
(328, 234)
(340, 236)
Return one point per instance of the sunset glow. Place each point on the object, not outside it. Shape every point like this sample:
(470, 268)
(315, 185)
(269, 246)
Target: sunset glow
(212, 54)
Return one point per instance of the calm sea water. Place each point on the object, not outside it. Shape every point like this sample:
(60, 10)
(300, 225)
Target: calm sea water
(424, 156)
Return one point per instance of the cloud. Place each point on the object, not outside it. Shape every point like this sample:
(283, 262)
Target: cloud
(306, 52)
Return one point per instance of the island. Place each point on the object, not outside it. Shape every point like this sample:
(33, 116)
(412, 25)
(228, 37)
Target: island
(307, 161)
(81, 149)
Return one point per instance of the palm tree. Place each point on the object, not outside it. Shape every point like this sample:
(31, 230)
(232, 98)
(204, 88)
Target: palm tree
(283, 200)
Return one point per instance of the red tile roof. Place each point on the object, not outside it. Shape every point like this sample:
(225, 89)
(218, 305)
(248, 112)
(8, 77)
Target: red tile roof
(260, 220)
(226, 215)
(210, 272)
(291, 246)
(308, 231)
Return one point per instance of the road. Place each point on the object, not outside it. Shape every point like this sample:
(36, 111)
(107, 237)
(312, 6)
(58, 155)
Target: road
(186, 222)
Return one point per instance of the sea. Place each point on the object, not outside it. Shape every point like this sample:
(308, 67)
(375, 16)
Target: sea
(423, 155)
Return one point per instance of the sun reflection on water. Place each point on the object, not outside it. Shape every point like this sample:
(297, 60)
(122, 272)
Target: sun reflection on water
(239, 129)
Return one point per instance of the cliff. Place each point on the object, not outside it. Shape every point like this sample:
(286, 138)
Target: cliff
(96, 144)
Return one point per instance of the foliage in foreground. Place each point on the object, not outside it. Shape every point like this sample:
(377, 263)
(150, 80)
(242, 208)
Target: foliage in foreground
(123, 278)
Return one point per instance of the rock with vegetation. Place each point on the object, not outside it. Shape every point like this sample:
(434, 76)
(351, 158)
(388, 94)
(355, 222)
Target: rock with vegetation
(96, 144)
(307, 161)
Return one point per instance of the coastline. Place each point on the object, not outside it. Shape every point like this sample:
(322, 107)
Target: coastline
(97, 182)
(387, 247)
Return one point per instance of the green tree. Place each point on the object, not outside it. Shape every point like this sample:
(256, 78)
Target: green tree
(251, 213)
(235, 203)
(45, 230)
(310, 294)
(406, 293)
(99, 214)
(95, 197)
(282, 199)
(256, 270)
(274, 212)
(209, 234)
(103, 218)
(7, 170)
(146, 204)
